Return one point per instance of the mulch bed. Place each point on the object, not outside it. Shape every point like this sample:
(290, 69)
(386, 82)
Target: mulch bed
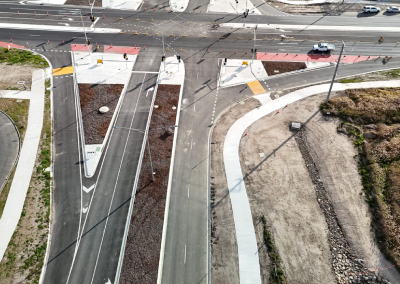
(282, 67)
(97, 3)
(143, 245)
(93, 97)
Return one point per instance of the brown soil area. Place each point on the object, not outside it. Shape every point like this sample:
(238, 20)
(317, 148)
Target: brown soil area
(11, 74)
(330, 8)
(141, 261)
(279, 188)
(224, 251)
(93, 97)
(283, 67)
(97, 3)
(372, 117)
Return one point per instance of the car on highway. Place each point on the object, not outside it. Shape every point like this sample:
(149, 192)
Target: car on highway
(322, 46)
(393, 10)
(371, 9)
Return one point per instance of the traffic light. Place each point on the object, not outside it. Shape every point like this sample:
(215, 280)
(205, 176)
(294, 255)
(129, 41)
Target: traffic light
(226, 59)
(124, 55)
(92, 18)
(163, 58)
(252, 50)
(88, 42)
(179, 58)
(255, 50)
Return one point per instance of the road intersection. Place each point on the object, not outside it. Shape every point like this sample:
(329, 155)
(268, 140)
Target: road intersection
(86, 246)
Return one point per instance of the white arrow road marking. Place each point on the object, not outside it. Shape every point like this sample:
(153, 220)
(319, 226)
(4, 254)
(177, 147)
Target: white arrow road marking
(109, 281)
(87, 190)
(84, 210)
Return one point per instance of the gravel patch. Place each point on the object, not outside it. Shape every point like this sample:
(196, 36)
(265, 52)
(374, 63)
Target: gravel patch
(93, 97)
(141, 261)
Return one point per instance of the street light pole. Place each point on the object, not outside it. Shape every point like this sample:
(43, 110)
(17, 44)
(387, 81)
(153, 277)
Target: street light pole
(334, 74)
(84, 32)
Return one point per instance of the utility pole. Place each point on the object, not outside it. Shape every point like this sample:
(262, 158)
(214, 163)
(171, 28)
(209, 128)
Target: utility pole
(85, 32)
(334, 74)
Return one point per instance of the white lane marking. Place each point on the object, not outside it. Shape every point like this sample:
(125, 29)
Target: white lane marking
(87, 190)
(8, 222)
(194, 106)
(197, 75)
(191, 144)
(116, 181)
(34, 35)
(188, 190)
(84, 210)
(109, 281)
(185, 256)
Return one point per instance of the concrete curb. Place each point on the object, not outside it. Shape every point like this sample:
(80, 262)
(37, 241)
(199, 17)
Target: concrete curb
(16, 159)
(46, 257)
(171, 170)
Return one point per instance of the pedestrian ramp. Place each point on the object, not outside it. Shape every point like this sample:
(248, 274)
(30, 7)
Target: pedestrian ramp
(256, 87)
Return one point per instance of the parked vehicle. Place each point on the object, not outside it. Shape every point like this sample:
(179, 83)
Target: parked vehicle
(371, 9)
(324, 47)
(393, 10)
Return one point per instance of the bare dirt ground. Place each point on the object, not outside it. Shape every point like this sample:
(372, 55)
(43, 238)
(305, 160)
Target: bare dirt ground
(282, 67)
(93, 97)
(141, 261)
(224, 257)
(279, 188)
(330, 8)
(11, 74)
(336, 158)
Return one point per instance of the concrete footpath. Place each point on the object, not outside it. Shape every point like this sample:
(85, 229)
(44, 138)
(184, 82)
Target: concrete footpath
(249, 265)
(22, 177)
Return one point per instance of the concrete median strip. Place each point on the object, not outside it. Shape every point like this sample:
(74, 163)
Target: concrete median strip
(249, 266)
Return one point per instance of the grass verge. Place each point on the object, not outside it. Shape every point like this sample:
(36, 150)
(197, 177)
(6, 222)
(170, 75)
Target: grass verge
(19, 56)
(276, 276)
(351, 80)
(371, 118)
(24, 257)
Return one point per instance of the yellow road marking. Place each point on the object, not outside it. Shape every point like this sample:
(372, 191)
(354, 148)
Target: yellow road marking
(256, 87)
(63, 71)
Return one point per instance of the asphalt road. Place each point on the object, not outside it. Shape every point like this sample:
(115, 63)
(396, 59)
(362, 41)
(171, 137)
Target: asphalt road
(9, 146)
(86, 248)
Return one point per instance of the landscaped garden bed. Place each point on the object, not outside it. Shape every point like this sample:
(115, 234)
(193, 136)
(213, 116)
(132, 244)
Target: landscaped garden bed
(92, 98)
(278, 67)
(141, 261)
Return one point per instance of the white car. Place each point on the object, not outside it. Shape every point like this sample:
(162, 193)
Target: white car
(393, 10)
(371, 9)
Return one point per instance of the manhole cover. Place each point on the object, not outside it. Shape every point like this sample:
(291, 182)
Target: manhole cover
(103, 109)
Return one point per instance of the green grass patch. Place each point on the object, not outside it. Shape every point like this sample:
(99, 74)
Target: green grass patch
(395, 73)
(351, 80)
(19, 56)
